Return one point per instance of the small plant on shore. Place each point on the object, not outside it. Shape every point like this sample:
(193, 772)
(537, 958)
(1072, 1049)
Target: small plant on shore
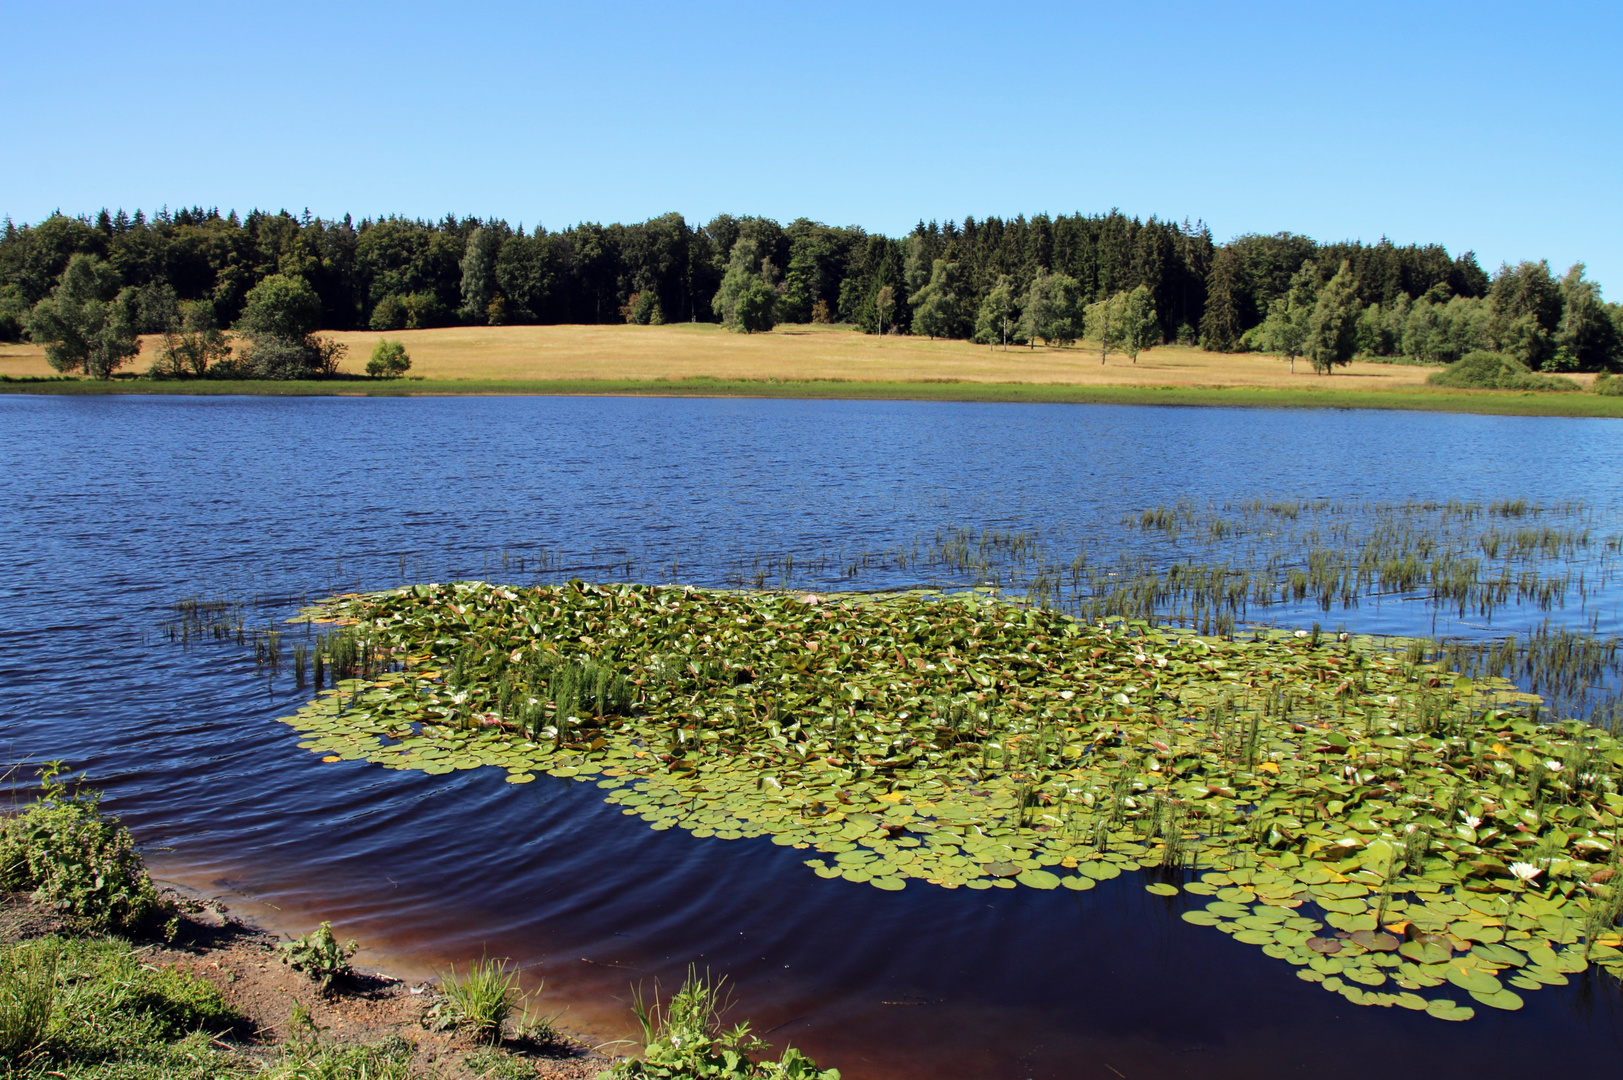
(480, 1001)
(683, 1038)
(65, 852)
(319, 955)
(27, 999)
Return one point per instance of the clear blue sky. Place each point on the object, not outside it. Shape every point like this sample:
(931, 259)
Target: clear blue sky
(1490, 126)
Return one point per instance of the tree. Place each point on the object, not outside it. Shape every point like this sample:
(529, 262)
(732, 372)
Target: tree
(1526, 303)
(1332, 328)
(1139, 328)
(1103, 323)
(479, 274)
(937, 310)
(389, 360)
(755, 309)
(1220, 325)
(1284, 331)
(996, 311)
(279, 317)
(280, 307)
(1586, 333)
(884, 302)
(192, 342)
(1052, 309)
(84, 324)
(746, 268)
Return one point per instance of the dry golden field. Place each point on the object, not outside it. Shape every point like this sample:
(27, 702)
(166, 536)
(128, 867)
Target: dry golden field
(794, 353)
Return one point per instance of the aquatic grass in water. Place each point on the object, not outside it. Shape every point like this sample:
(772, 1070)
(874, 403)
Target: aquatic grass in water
(1353, 807)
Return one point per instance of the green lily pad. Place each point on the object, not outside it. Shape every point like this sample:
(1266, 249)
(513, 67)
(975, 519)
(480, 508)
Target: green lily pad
(1161, 888)
(1502, 999)
(1038, 879)
(1444, 1009)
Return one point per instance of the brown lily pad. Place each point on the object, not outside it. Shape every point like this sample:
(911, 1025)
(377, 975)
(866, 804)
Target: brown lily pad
(1323, 945)
(1375, 941)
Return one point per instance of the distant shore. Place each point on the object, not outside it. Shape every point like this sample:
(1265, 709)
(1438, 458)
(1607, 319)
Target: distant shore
(827, 362)
(1492, 402)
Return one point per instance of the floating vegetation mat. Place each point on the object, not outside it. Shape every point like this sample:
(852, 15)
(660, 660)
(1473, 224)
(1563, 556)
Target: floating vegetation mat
(1402, 834)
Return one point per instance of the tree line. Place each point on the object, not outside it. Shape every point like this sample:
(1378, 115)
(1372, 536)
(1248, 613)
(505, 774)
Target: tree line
(88, 285)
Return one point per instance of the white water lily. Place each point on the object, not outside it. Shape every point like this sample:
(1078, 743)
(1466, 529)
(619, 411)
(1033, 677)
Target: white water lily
(1301, 633)
(1553, 766)
(1524, 871)
(1470, 819)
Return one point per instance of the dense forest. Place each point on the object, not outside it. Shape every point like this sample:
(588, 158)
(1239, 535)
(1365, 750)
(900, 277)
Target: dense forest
(94, 282)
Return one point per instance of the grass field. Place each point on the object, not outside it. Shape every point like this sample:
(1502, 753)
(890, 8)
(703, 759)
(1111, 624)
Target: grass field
(837, 362)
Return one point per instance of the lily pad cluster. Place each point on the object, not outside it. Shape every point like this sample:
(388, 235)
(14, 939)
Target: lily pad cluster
(1403, 835)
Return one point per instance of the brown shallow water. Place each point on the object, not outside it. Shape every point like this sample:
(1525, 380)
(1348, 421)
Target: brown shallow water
(113, 509)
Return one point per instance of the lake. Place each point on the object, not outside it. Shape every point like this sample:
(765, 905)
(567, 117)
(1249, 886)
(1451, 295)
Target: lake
(117, 507)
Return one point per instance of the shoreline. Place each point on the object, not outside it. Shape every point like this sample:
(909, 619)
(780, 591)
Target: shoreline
(1426, 399)
(378, 1002)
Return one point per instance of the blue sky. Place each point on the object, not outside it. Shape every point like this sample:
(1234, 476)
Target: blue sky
(1488, 126)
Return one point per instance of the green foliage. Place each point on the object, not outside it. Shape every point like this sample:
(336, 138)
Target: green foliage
(1139, 328)
(1608, 384)
(84, 325)
(749, 279)
(644, 309)
(389, 360)
(480, 1001)
(938, 305)
(281, 306)
(192, 343)
(1053, 310)
(319, 955)
(1284, 332)
(1220, 326)
(1495, 371)
(997, 314)
(68, 854)
(755, 309)
(115, 1015)
(683, 1038)
(1332, 327)
(13, 313)
(1104, 322)
(27, 998)
(479, 274)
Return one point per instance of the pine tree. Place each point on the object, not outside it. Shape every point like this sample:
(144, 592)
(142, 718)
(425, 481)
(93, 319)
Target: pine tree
(1220, 325)
(1332, 328)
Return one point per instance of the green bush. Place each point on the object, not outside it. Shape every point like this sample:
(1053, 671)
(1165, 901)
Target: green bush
(319, 955)
(389, 360)
(684, 1038)
(1495, 371)
(1606, 383)
(68, 854)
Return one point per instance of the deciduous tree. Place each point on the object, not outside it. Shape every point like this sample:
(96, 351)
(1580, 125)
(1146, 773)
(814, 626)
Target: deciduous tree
(84, 325)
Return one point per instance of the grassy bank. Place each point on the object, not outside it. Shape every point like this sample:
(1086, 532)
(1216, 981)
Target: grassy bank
(102, 976)
(1328, 393)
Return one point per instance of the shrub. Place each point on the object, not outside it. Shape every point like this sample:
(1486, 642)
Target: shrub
(70, 855)
(1495, 371)
(319, 955)
(684, 1038)
(1606, 383)
(390, 314)
(481, 1000)
(389, 360)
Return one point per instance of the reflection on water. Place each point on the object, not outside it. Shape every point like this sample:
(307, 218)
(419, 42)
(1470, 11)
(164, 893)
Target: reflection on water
(115, 508)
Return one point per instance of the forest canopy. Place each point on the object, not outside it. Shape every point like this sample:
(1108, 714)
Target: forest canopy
(197, 272)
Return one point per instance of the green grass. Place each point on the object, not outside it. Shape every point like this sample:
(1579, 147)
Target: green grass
(111, 1014)
(1330, 396)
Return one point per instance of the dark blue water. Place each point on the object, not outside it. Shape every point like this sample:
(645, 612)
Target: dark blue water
(113, 508)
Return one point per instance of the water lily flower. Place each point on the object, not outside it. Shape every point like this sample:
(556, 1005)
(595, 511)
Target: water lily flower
(1524, 871)
(1553, 766)
(1470, 819)
(1301, 633)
